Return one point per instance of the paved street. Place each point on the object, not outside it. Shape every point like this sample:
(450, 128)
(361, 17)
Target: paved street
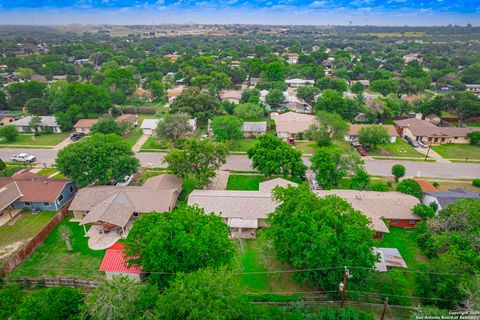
(241, 162)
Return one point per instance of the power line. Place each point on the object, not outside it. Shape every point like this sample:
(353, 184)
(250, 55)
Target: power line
(23, 229)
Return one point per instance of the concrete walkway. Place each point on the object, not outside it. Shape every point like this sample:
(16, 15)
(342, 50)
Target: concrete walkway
(63, 144)
(140, 142)
(432, 155)
(220, 181)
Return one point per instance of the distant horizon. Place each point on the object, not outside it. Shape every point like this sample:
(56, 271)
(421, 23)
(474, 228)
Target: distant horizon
(261, 12)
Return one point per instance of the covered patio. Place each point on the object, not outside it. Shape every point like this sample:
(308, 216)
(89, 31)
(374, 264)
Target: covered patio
(102, 236)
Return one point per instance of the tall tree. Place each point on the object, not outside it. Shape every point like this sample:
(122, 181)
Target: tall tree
(249, 111)
(183, 240)
(20, 93)
(275, 98)
(332, 101)
(38, 106)
(174, 126)
(198, 160)
(98, 159)
(272, 156)
(197, 104)
(374, 135)
(107, 125)
(304, 229)
(329, 126)
(227, 128)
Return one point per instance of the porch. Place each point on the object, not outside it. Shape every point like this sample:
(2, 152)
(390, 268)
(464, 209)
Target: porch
(102, 236)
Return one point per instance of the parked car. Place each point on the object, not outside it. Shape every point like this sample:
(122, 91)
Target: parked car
(422, 144)
(125, 181)
(291, 141)
(23, 157)
(77, 136)
(413, 143)
(366, 147)
(362, 152)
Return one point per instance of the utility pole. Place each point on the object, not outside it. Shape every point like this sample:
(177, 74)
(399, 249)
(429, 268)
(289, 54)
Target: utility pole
(343, 285)
(428, 151)
(385, 305)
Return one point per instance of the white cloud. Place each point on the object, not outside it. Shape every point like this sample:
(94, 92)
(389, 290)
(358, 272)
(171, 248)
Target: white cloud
(318, 3)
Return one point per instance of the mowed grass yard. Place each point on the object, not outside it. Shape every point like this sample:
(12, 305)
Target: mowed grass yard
(400, 148)
(44, 139)
(52, 258)
(24, 227)
(458, 151)
(251, 182)
(241, 145)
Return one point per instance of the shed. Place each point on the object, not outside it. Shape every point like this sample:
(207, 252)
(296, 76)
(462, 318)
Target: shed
(114, 263)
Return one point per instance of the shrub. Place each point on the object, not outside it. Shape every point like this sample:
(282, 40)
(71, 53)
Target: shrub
(474, 137)
(423, 211)
(379, 186)
(436, 184)
(398, 171)
(411, 187)
(476, 183)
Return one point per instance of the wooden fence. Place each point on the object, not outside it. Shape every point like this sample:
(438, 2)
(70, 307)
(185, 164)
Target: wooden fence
(45, 282)
(15, 259)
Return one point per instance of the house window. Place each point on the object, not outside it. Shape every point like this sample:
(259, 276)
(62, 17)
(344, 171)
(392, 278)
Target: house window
(412, 222)
(60, 198)
(394, 221)
(136, 214)
(28, 204)
(46, 204)
(71, 188)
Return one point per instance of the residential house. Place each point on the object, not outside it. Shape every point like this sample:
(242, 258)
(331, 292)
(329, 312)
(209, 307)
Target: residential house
(355, 129)
(84, 125)
(364, 83)
(425, 131)
(292, 57)
(426, 186)
(253, 82)
(443, 199)
(254, 129)
(173, 93)
(144, 94)
(475, 88)
(382, 208)
(38, 193)
(149, 126)
(412, 57)
(292, 124)
(7, 118)
(243, 211)
(110, 210)
(129, 117)
(296, 83)
(114, 263)
(47, 124)
(233, 96)
(9, 193)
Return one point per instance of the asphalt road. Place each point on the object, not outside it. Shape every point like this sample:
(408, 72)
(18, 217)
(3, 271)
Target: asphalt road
(241, 162)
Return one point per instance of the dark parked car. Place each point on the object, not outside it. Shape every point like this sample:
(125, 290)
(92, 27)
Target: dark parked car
(77, 136)
(362, 152)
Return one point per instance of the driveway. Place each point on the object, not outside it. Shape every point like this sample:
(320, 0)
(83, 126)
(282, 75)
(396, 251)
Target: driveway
(63, 144)
(140, 142)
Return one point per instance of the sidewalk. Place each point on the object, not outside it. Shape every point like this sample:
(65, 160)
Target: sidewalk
(63, 144)
(432, 155)
(140, 142)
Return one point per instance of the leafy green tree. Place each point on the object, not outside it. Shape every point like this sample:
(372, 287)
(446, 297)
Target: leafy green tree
(20, 93)
(357, 88)
(308, 94)
(3, 166)
(190, 296)
(329, 126)
(374, 136)
(411, 187)
(273, 156)
(198, 105)
(183, 240)
(25, 74)
(304, 229)
(331, 164)
(385, 87)
(34, 124)
(361, 180)
(474, 137)
(174, 127)
(332, 101)
(121, 81)
(275, 98)
(9, 132)
(86, 98)
(120, 299)
(11, 296)
(56, 303)
(471, 74)
(251, 96)
(38, 106)
(398, 171)
(379, 186)
(198, 160)
(3, 101)
(274, 71)
(107, 125)
(464, 105)
(423, 211)
(338, 85)
(227, 128)
(158, 89)
(98, 159)
(249, 111)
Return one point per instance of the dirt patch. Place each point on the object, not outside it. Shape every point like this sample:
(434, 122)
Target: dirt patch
(10, 249)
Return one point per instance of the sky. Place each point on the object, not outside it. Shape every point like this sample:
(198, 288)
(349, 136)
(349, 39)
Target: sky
(276, 12)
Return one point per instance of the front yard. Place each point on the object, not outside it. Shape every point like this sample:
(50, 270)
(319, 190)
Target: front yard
(133, 137)
(241, 145)
(251, 181)
(399, 149)
(22, 228)
(54, 260)
(44, 139)
(458, 151)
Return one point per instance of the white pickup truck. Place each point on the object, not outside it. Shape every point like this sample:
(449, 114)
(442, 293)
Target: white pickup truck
(23, 157)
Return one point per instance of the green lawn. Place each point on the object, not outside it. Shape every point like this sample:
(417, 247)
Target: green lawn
(44, 139)
(24, 228)
(53, 259)
(154, 143)
(244, 182)
(133, 137)
(398, 149)
(241, 145)
(310, 147)
(256, 255)
(187, 188)
(458, 151)
(47, 172)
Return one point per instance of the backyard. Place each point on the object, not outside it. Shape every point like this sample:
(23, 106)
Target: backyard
(53, 259)
(458, 151)
(44, 139)
(21, 228)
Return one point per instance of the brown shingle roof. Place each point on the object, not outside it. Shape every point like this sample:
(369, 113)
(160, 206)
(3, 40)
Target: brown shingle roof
(293, 122)
(9, 194)
(85, 123)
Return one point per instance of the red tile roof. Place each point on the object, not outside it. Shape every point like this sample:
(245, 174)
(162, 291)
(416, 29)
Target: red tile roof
(115, 261)
(427, 186)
